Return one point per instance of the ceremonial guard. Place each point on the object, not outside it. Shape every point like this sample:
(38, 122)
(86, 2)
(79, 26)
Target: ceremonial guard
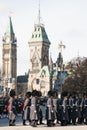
(62, 110)
(38, 108)
(85, 109)
(55, 100)
(74, 110)
(12, 104)
(33, 109)
(69, 107)
(26, 108)
(50, 117)
(79, 110)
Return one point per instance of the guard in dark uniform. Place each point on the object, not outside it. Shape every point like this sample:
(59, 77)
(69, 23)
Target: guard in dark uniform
(74, 110)
(79, 110)
(38, 107)
(69, 107)
(59, 107)
(64, 117)
(85, 109)
(26, 108)
(12, 104)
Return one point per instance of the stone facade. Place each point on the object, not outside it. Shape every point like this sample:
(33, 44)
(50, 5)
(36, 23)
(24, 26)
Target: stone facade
(9, 58)
(39, 57)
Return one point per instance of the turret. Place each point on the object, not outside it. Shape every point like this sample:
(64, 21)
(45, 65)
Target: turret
(9, 36)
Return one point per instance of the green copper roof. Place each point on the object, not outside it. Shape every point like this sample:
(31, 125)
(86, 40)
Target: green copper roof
(9, 30)
(39, 34)
(46, 71)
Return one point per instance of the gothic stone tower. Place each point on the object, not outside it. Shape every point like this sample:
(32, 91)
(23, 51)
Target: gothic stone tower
(9, 58)
(39, 53)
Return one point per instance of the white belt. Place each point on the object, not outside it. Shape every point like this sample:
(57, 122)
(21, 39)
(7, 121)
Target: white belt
(32, 105)
(48, 105)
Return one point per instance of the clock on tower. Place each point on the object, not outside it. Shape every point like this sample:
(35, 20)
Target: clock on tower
(7, 39)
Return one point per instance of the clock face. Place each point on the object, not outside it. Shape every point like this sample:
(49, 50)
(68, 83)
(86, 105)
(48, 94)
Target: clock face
(7, 39)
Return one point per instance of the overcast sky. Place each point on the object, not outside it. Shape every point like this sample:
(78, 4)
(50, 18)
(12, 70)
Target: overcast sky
(64, 20)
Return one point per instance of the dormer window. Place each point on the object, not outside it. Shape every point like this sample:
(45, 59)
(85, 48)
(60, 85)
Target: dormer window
(35, 29)
(36, 35)
(32, 36)
(38, 29)
(37, 81)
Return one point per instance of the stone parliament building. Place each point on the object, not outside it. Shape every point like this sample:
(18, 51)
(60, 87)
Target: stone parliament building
(41, 75)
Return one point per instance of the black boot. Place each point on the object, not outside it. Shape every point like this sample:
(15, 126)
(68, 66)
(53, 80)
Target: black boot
(49, 124)
(13, 123)
(24, 122)
(10, 122)
(34, 123)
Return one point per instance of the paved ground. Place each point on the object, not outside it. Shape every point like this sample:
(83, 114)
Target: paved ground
(19, 126)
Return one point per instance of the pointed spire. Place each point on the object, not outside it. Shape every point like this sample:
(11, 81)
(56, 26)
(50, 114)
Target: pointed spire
(9, 30)
(50, 60)
(39, 21)
(51, 63)
(39, 14)
(9, 36)
(39, 34)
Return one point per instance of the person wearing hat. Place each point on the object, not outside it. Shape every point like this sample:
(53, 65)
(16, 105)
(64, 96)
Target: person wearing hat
(33, 110)
(85, 109)
(38, 108)
(12, 112)
(50, 110)
(26, 108)
(64, 117)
